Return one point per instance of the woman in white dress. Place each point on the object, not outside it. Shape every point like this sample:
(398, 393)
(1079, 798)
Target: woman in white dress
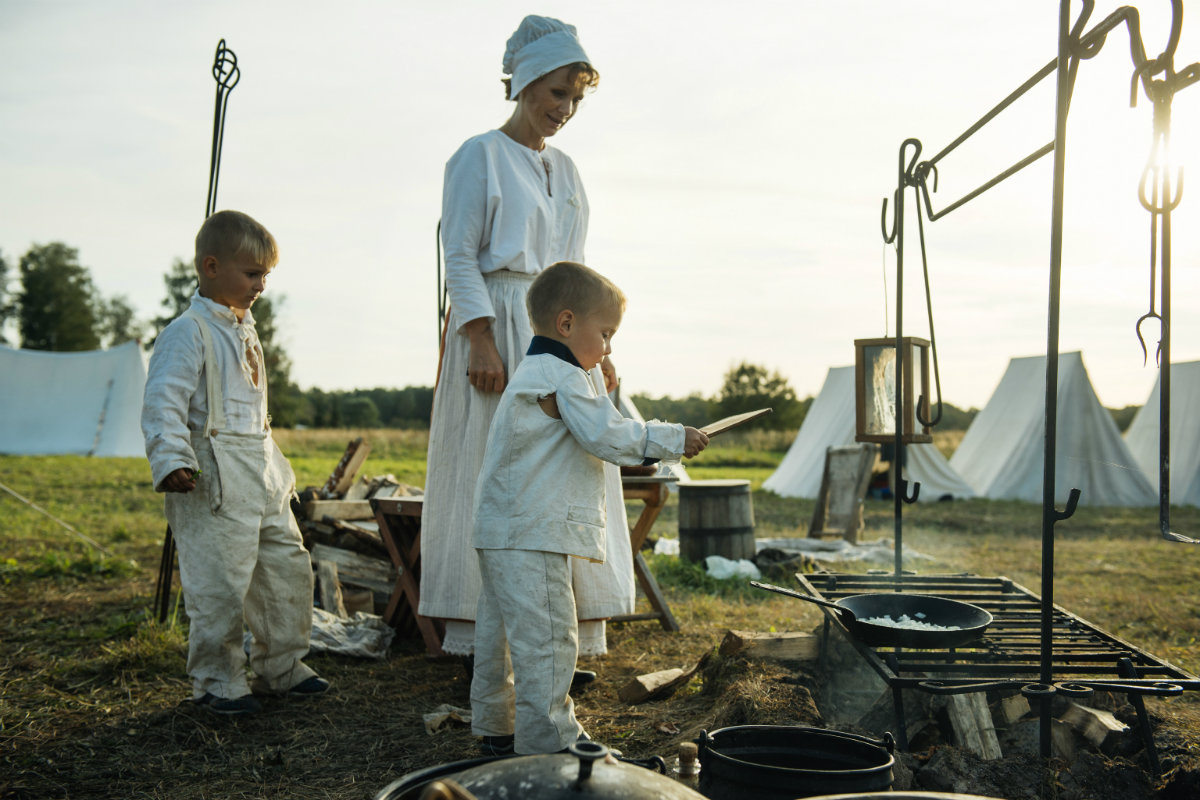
(511, 206)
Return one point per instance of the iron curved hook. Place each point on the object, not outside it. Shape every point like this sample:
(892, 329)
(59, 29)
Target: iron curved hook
(1142, 340)
(908, 173)
(904, 491)
(1072, 502)
(225, 69)
(888, 238)
(1173, 193)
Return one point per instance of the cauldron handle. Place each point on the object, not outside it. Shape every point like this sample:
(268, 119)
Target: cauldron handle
(656, 763)
(588, 754)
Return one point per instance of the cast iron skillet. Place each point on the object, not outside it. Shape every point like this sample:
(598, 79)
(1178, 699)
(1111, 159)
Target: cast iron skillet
(967, 622)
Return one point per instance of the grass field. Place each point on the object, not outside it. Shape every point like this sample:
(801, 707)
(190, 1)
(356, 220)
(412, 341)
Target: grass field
(88, 679)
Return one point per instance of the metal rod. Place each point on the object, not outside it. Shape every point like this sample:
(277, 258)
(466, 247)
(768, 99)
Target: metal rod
(1062, 106)
(1001, 177)
(1003, 104)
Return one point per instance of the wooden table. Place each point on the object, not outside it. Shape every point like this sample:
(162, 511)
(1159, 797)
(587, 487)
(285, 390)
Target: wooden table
(399, 521)
(653, 491)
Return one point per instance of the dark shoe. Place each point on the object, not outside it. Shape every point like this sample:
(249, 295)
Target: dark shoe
(309, 686)
(498, 745)
(582, 678)
(246, 704)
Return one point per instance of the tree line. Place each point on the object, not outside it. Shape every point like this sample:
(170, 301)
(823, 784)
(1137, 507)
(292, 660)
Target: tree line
(56, 306)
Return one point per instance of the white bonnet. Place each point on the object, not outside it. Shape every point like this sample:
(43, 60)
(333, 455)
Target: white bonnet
(539, 46)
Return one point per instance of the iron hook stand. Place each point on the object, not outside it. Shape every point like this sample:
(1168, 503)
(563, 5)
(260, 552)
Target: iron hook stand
(1074, 46)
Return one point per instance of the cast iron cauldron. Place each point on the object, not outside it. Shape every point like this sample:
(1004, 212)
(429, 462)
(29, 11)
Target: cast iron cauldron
(783, 762)
(906, 796)
(583, 772)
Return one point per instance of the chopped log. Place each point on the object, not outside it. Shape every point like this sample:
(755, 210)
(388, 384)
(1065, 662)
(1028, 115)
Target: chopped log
(356, 600)
(343, 474)
(359, 490)
(788, 646)
(360, 538)
(339, 509)
(331, 590)
(973, 726)
(1010, 709)
(1099, 727)
(643, 687)
(356, 569)
(658, 685)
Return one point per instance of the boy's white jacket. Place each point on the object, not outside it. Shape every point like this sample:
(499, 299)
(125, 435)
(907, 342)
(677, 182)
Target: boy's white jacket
(542, 482)
(175, 403)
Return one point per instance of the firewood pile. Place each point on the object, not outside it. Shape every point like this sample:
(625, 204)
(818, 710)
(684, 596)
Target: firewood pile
(354, 571)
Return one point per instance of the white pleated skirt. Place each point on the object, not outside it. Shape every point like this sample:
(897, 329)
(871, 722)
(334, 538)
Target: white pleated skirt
(458, 432)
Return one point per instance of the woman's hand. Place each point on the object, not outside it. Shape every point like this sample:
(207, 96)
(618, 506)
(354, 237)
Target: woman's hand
(609, 371)
(485, 368)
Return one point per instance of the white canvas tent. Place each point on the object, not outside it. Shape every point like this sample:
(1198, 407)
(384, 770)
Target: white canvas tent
(1002, 454)
(86, 403)
(1142, 436)
(830, 423)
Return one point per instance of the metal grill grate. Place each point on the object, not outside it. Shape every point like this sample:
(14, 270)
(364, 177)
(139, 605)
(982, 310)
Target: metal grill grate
(1010, 648)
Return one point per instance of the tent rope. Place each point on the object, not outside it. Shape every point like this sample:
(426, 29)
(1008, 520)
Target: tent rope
(66, 525)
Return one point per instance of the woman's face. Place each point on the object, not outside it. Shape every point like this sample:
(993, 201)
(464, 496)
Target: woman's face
(547, 103)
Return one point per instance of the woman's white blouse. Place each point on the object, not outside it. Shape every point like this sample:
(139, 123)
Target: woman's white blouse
(505, 206)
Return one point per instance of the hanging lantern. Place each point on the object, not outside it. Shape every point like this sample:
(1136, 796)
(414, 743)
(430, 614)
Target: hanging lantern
(878, 390)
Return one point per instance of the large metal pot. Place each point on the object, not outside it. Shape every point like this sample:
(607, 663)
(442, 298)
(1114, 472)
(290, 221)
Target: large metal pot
(583, 772)
(783, 762)
(906, 796)
(962, 623)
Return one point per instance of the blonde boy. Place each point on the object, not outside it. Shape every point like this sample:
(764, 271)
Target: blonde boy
(228, 487)
(540, 501)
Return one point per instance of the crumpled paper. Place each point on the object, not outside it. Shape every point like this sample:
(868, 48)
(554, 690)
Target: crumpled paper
(445, 715)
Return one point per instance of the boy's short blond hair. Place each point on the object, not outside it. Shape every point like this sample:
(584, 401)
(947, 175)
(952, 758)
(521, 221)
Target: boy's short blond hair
(567, 285)
(231, 233)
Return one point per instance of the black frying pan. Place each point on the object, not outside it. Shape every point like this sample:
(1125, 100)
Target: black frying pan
(964, 622)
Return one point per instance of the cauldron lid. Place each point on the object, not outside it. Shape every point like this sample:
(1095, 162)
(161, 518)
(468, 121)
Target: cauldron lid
(584, 772)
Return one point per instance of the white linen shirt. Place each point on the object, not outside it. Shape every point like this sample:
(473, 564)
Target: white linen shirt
(175, 402)
(506, 206)
(542, 482)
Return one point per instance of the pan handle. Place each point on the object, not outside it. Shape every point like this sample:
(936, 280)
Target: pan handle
(770, 587)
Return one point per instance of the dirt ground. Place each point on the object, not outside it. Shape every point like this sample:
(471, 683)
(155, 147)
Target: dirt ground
(124, 730)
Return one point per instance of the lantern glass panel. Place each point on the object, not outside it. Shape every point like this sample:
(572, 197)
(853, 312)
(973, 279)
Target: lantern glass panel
(882, 390)
(879, 390)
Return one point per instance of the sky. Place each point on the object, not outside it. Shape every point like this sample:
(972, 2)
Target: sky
(736, 157)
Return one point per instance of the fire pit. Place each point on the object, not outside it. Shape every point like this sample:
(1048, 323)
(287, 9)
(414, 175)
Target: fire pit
(1085, 658)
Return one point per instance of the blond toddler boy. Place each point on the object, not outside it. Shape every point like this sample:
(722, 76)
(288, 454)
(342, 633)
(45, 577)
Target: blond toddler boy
(540, 502)
(227, 486)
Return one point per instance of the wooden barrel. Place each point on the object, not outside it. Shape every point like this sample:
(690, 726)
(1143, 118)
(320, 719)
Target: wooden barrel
(716, 518)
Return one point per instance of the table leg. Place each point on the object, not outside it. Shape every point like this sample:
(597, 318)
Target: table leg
(654, 496)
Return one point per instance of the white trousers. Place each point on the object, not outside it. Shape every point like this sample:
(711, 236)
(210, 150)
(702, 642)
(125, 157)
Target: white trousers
(526, 644)
(242, 562)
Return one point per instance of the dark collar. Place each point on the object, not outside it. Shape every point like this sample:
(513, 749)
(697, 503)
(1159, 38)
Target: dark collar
(548, 346)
